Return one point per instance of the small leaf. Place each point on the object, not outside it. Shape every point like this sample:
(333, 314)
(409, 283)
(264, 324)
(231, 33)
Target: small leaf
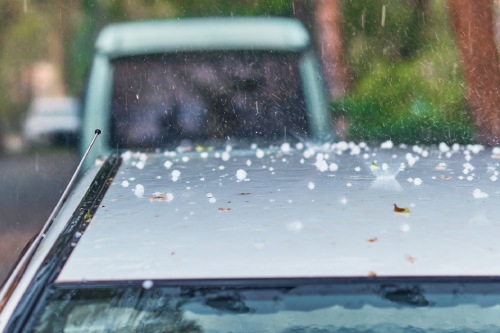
(87, 216)
(400, 209)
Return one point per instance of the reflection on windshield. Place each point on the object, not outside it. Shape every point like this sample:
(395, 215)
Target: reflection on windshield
(316, 307)
(157, 101)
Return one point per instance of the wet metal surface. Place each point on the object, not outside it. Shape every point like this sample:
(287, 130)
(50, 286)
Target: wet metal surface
(282, 213)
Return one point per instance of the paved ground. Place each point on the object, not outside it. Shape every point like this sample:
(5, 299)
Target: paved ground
(30, 186)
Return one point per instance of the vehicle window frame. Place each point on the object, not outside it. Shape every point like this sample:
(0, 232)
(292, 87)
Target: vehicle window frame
(342, 286)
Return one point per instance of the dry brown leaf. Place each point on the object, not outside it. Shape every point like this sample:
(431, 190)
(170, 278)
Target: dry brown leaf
(400, 209)
(159, 198)
(410, 259)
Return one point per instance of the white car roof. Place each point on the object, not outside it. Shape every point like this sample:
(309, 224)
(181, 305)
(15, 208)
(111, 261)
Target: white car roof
(298, 213)
(191, 34)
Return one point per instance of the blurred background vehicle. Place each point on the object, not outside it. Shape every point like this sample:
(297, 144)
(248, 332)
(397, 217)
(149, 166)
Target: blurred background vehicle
(52, 120)
(204, 84)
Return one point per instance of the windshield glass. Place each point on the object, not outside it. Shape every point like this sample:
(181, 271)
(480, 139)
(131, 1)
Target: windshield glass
(317, 307)
(159, 101)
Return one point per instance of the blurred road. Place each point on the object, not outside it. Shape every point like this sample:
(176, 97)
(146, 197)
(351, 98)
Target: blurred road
(30, 186)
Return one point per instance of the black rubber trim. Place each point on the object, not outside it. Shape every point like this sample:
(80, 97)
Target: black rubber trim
(285, 282)
(40, 287)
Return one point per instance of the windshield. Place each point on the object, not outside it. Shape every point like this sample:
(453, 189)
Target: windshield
(361, 306)
(159, 101)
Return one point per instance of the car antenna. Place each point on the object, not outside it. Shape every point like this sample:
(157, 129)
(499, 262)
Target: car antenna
(26, 258)
(97, 132)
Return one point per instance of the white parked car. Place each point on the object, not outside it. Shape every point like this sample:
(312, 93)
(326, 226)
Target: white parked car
(276, 230)
(52, 120)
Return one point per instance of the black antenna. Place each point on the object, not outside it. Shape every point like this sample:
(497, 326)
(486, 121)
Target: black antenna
(64, 196)
(25, 260)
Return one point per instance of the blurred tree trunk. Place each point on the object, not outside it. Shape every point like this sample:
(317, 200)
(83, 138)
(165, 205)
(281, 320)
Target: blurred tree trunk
(301, 10)
(328, 21)
(473, 24)
(323, 19)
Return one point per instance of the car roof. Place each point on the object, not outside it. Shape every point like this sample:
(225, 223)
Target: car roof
(295, 213)
(240, 33)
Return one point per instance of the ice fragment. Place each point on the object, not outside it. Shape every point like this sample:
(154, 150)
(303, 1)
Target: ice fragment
(167, 164)
(175, 175)
(285, 147)
(139, 191)
(241, 174)
(147, 284)
(387, 145)
(478, 194)
(225, 156)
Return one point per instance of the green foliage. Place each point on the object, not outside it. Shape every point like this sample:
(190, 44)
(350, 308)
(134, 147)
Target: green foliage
(22, 45)
(406, 82)
(407, 103)
(232, 7)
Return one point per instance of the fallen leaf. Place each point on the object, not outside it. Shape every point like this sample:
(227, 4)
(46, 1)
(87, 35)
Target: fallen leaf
(87, 216)
(372, 274)
(373, 240)
(224, 209)
(244, 193)
(400, 209)
(446, 177)
(441, 166)
(410, 259)
(159, 198)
